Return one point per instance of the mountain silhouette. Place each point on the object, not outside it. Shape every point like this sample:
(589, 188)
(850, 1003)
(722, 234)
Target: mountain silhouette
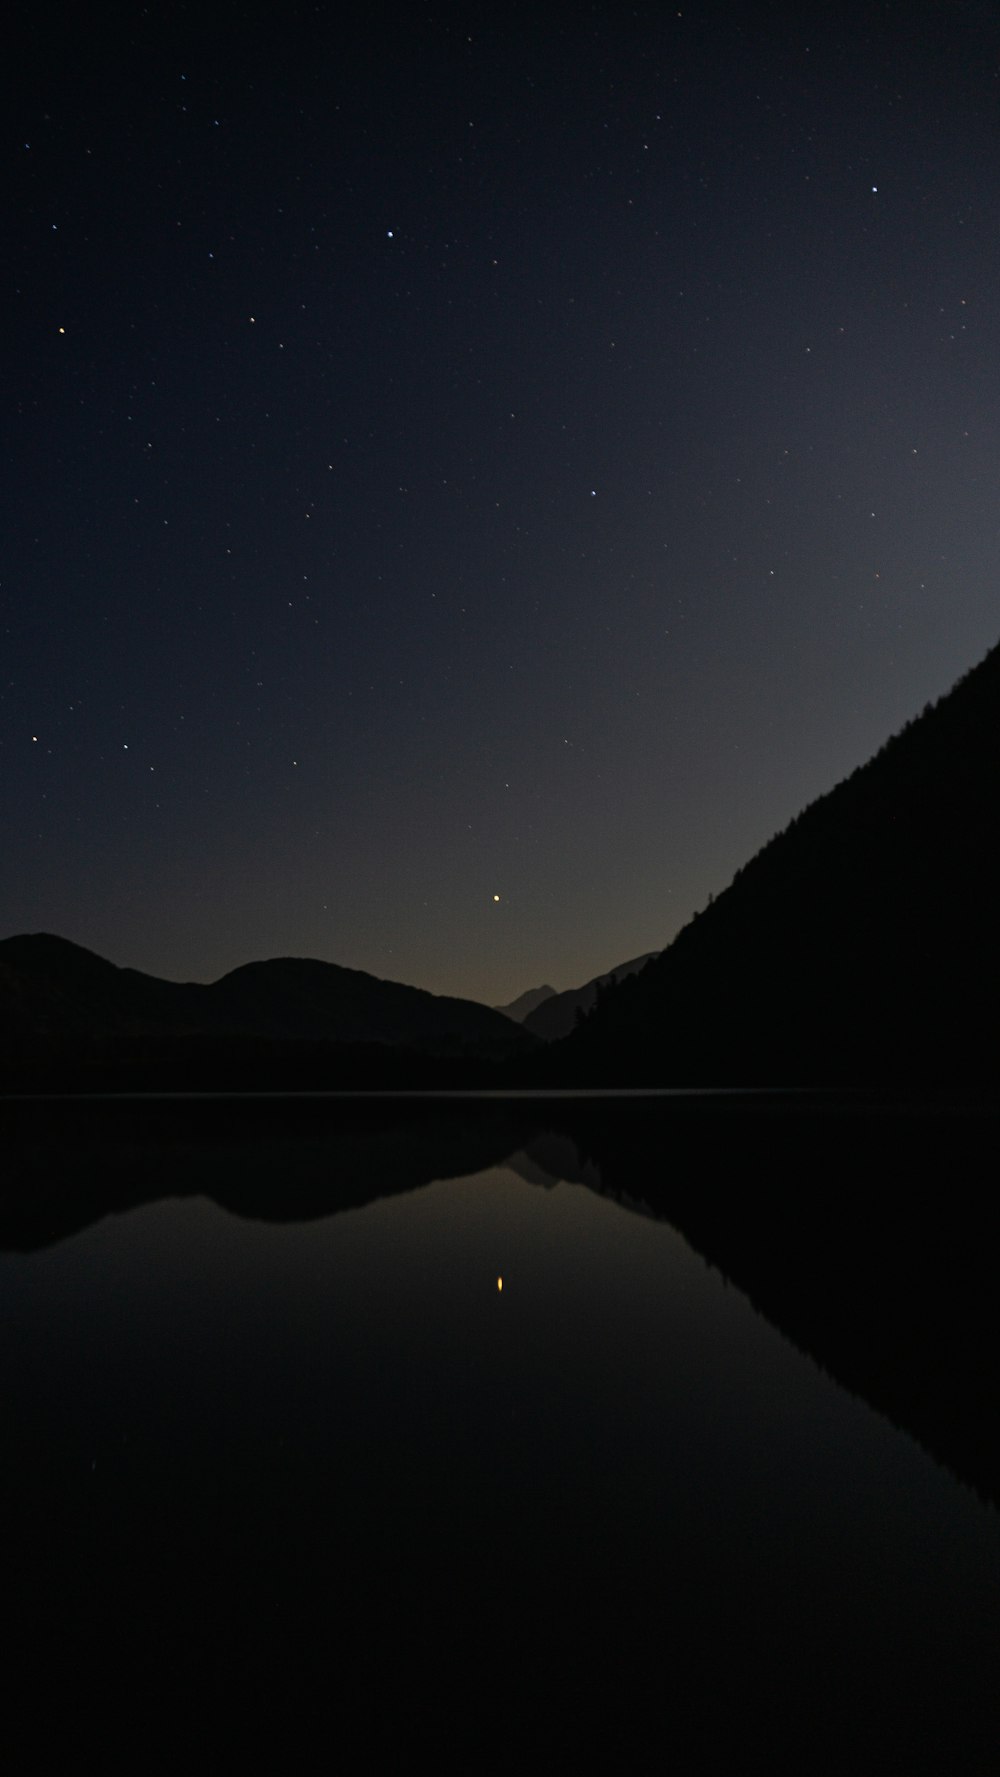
(857, 947)
(557, 1015)
(525, 1003)
(57, 998)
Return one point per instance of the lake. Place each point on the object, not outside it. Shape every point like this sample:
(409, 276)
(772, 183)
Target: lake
(346, 1422)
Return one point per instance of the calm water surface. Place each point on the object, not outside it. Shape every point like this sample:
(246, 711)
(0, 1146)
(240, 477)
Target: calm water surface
(320, 1478)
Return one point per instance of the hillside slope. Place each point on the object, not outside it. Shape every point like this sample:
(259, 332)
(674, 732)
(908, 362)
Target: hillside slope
(557, 1015)
(858, 947)
(57, 994)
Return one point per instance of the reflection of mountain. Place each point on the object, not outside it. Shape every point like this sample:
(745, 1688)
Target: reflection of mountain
(72, 1162)
(858, 947)
(860, 1230)
(550, 1158)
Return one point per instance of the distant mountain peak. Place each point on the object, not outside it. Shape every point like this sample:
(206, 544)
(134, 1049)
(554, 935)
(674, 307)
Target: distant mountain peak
(526, 1003)
(557, 1014)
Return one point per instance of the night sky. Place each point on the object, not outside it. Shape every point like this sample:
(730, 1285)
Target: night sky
(522, 451)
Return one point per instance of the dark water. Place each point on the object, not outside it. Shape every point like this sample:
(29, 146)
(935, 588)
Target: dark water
(320, 1483)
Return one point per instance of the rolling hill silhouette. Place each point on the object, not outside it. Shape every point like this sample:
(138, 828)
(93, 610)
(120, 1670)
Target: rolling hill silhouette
(58, 999)
(858, 947)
